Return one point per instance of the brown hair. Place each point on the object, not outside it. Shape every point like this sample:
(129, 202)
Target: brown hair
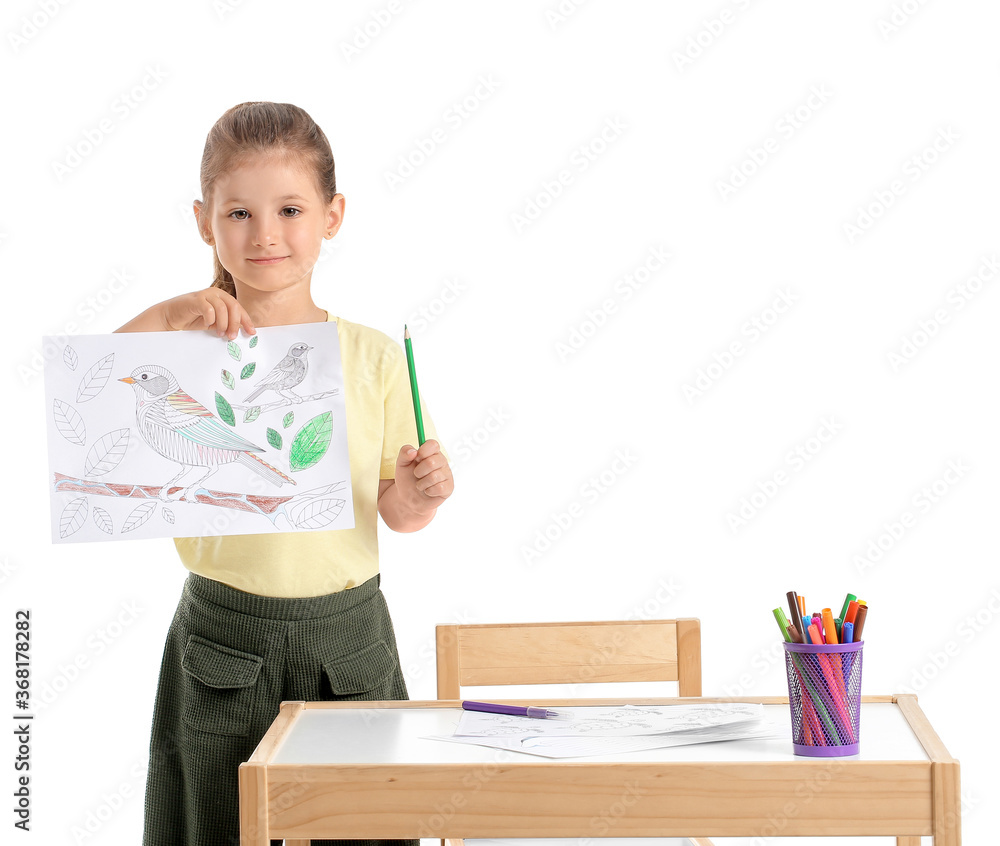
(251, 129)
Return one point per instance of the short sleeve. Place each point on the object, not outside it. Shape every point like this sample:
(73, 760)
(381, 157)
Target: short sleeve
(400, 424)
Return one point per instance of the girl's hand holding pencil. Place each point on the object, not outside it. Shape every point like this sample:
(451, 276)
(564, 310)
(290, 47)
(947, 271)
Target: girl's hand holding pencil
(423, 481)
(423, 476)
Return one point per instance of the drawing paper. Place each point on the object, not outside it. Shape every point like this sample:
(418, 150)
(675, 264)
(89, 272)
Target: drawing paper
(182, 434)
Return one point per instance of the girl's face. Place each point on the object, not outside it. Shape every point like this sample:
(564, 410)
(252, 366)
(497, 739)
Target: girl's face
(268, 223)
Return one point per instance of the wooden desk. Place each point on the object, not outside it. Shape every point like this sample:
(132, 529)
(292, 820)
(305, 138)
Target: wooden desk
(363, 769)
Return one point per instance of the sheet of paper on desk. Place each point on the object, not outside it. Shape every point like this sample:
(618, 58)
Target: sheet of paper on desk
(601, 721)
(573, 747)
(595, 730)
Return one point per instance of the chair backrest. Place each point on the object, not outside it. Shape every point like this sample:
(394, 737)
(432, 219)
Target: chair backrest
(569, 653)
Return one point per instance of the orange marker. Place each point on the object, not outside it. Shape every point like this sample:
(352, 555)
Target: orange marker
(802, 606)
(829, 626)
(814, 635)
(852, 612)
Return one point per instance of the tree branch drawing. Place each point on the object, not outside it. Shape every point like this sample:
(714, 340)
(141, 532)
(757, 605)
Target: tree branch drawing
(313, 509)
(283, 402)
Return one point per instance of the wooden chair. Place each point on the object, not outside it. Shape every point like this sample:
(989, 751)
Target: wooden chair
(570, 653)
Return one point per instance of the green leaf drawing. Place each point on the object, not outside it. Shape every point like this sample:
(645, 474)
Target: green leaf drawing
(234, 350)
(253, 341)
(247, 371)
(252, 414)
(311, 442)
(225, 409)
(228, 380)
(273, 438)
(286, 421)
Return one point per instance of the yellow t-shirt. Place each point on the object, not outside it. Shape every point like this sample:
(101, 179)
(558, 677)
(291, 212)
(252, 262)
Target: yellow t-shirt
(380, 421)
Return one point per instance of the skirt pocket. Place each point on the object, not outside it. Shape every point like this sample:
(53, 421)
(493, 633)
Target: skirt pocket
(364, 674)
(220, 684)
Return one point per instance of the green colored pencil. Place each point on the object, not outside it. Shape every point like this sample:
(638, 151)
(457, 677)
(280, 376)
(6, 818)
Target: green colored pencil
(413, 385)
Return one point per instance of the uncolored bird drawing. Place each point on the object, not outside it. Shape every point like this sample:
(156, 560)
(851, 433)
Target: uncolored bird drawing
(180, 428)
(285, 375)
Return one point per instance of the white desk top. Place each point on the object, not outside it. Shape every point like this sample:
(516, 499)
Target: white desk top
(397, 735)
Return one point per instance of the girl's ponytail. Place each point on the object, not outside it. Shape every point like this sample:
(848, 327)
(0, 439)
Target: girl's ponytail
(223, 278)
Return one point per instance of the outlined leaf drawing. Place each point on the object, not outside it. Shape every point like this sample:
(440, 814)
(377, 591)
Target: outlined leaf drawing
(251, 414)
(228, 380)
(168, 515)
(107, 453)
(288, 419)
(274, 438)
(225, 409)
(103, 520)
(95, 379)
(69, 422)
(311, 442)
(253, 341)
(70, 357)
(234, 350)
(319, 513)
(72, 517)
(247, 371)
(140, 514)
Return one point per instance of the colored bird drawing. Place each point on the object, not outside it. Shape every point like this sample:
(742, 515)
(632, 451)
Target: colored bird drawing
(285, 375)
(180, 428)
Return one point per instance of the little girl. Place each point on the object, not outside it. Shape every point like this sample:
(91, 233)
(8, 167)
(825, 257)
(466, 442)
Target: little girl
(279, 616)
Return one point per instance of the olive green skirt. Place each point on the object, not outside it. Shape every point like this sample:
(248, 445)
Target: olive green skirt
(230, 658)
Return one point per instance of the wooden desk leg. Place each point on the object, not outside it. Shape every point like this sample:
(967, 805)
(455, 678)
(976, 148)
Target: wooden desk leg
(253, 805)
(947, 803)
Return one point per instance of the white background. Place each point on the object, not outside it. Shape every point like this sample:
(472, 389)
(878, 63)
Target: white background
(489, 303)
